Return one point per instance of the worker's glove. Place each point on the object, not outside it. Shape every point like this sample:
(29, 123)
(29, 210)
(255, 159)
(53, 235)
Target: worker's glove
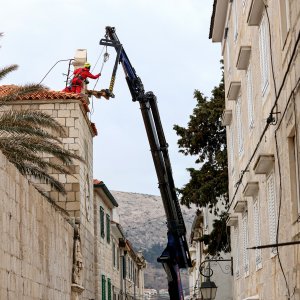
(99, 74)
(86, 81)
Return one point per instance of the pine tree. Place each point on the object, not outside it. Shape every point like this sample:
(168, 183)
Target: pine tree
(205, 138)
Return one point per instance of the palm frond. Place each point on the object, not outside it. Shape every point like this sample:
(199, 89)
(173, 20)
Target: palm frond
(28, 169)
(20, 91)
(6, 70)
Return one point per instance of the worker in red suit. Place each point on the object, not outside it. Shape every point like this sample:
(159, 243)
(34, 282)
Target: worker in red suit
(80, 76)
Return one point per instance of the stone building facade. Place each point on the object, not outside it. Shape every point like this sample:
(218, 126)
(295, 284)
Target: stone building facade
(221, 271)
(55, 244)
(260, 46)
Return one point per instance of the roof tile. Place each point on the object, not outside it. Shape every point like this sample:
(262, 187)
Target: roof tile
(41, 95)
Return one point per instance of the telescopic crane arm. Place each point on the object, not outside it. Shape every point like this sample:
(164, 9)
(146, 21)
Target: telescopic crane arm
(176, 254)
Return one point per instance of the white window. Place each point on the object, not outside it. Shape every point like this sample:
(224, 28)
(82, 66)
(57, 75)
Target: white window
(250, 97)
(245, 243)
(231, 149)
(228, 54)
(285, 21)
(244, 2)
(257, 240)
(235, 20)
(237, 249)
(240, 136)
(294, 174)
(271, 198)
(264, 54)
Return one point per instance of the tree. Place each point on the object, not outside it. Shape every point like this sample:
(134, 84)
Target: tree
(205, 138)
(26, 135)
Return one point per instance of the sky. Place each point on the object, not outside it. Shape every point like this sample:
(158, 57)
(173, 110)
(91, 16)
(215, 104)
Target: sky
(166, 42)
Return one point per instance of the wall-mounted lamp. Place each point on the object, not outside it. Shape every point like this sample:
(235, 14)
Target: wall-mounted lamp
(208, 288)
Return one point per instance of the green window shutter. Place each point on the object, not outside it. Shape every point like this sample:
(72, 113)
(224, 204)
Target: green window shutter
(103, 288)
(102, 222)
(108, 228)
(108, 289)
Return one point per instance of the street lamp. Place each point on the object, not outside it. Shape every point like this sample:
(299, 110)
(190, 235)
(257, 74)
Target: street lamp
(208, 290)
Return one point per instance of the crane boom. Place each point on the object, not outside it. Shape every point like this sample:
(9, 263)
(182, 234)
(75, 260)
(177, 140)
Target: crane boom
(176, 254)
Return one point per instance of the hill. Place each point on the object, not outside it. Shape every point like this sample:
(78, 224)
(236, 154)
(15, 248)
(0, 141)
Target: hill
(143, 219)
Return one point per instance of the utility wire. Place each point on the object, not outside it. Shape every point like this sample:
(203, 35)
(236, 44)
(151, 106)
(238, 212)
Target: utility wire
(70, 59)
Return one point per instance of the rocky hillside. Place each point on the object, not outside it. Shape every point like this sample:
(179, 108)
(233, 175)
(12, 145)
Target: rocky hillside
(143, 219)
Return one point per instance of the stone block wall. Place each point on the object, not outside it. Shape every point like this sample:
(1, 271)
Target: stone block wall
(36, 249)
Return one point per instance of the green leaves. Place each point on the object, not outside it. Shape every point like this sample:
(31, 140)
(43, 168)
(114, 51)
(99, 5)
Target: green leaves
(205, 138)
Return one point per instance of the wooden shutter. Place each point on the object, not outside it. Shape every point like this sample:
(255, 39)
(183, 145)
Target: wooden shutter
(264, 52)
(114, 254)
(103, 287)
(102, 232)
(257, 240)
(235, 20)
(108, 228)
(239, 126)
(245, 243)
(250, 97)
(271, 196)
(237, 253)
(108, 289)
(231, 150)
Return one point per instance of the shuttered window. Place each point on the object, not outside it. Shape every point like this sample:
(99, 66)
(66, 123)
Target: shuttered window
(257, 239)
(237, 249)
(228, 55)
(250, 97)
(235, 20)
(264, 53)
(103, 286)
(102, 232)
(245, 243)
(231, 149)
(271, 196)
(285, 22)
(108, 289)
(108, 228)
(239, 126)
(114, 254)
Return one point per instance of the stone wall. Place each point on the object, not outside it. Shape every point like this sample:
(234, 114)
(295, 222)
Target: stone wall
(36, 250)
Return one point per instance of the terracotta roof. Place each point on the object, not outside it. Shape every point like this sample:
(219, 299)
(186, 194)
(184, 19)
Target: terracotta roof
(41, 95)
(47, 95)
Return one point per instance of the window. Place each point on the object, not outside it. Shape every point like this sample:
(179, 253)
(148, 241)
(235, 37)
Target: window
(108, 289)
(228, 55)
(294, 175)
(245, 243)
(237, 254)
(118, 258)
(235, 20)
(114, 254)
(250, 97)
(103, 287)
(264, 53)
(271, 198)
(108, 228)
(102, 232)
(257, 240)
(244, 3)
(284, 18)
(239, 126)
(231, 150)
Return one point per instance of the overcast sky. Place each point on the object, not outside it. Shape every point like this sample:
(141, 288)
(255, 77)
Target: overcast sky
(167, 44)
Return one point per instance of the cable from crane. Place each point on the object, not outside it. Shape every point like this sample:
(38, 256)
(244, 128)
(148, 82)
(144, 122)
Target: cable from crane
(105, 59)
